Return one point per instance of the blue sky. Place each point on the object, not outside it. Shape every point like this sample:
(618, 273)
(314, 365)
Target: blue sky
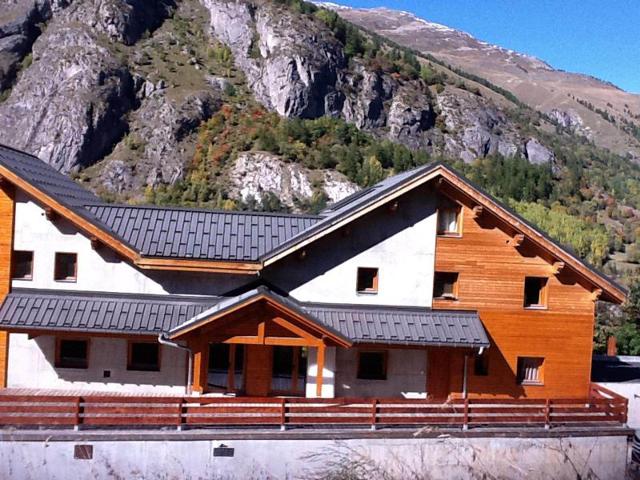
(600, 38)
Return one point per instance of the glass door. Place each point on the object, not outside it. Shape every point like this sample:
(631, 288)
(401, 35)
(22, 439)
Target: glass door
(289, 371)
(226, 367)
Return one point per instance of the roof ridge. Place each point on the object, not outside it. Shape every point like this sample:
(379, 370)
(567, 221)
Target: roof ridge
(204, 210)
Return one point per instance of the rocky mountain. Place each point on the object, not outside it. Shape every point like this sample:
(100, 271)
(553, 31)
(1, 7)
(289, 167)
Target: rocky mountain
(590, 107)
(279, 104)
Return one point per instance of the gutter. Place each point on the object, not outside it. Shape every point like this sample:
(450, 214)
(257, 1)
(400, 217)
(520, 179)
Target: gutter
(164, 340)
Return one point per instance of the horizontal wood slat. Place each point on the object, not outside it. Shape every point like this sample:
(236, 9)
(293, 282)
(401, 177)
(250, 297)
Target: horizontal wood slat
(605, 407)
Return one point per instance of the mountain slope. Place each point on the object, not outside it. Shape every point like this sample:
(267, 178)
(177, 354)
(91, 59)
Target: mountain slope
(572, 99)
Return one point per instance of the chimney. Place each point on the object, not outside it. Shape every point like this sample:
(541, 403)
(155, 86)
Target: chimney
(612, 348)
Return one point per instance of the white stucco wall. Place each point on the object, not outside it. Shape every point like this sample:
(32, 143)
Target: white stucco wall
(32, 365)
(406, 375)
(328, 373)
(401, 245)
(100, 270)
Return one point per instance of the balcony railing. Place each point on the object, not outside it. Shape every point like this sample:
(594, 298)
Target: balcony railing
(603, 408)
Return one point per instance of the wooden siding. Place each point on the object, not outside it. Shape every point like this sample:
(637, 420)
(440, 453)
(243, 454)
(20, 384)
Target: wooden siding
(492, 270)
(7, 209)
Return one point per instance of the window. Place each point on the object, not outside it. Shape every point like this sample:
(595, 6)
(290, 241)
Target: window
(72, 353)
(481, 364)
(66, 267)
(445, 285)
(530, 370)
(535, 292)
(144, 356)
(226, 366)
(449, 219)
(289, 369)
(372, 365)
(367, 280)
(22, 265)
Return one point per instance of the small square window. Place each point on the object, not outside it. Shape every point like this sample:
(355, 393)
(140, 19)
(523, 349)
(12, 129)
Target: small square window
(66, 267)
(144, 356)
(530, 370)
(481, 364)
(367, 280)
(372, 365)
(72, 353)
(535, 292)
(445, 285)
(22, 265)
(449, 219)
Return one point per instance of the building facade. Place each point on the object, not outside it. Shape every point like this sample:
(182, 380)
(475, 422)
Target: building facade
(421, 286)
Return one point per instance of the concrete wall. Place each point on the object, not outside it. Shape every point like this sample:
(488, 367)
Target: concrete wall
(406, 375)
(603, 458)
(99, 270)
(401, 245)
(32, 365)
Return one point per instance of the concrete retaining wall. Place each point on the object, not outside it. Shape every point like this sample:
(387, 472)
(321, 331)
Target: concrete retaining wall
(434, 458)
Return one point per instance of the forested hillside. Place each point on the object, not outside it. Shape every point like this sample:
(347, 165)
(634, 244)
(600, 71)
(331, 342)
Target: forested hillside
(282, 105)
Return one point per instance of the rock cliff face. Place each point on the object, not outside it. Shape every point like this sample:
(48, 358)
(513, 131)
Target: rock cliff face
(117, 89)
(296, 67)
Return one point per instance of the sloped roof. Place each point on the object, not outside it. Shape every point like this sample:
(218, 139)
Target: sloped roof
(98, 311)
(403, 325)
(200, 234)
(46, 178)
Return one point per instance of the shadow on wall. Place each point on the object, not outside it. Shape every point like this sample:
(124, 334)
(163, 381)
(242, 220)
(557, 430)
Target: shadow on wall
(353, 239)
(106, 356)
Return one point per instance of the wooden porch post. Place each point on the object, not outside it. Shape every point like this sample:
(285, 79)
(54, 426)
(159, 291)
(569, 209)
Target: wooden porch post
(200, 364)
(320, 369)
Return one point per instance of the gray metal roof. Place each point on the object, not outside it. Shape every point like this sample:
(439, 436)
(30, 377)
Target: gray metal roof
(45, 178)
(403, 326)
(200, 234)
(231, 302)
(98, 312)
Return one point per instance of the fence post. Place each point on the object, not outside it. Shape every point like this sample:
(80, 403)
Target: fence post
(78, 413)
(547, 414)
(180, 412)
(283, 414)
(374, 413)
(465, 418)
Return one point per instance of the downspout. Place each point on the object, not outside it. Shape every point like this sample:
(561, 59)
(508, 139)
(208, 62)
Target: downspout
(464, 377)
(164, 340)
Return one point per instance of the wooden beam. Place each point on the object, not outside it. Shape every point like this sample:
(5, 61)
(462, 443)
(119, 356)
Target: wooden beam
(294, 328)
(478, 211)
(200, 364)
(231, 374)
(595, 294)
(261, 331)
(50, 213)
(320, 370)
(557, 267)
(516, 240)
(95, 243)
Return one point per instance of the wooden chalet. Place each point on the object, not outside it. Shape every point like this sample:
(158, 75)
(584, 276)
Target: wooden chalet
(422, 287)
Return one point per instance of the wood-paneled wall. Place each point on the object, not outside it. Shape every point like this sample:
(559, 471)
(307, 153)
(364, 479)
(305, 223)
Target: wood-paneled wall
(7, 210)
(492, 271)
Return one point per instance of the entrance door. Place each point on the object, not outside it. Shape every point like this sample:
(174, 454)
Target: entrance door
(226, 367)
(258, 371)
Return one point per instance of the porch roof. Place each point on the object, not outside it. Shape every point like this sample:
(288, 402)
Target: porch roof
(390, 325)
(100, 312)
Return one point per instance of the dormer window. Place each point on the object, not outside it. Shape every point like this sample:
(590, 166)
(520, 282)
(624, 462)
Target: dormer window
(367, 280)
(449, 219)
(445, 285)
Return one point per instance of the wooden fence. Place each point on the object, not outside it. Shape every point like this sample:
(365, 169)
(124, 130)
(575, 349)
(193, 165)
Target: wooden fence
(603, 408)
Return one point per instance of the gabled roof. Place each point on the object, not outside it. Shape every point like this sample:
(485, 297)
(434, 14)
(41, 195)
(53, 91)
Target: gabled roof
(191, 239)
(200, 234)
(261, 293)
(98, 312)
